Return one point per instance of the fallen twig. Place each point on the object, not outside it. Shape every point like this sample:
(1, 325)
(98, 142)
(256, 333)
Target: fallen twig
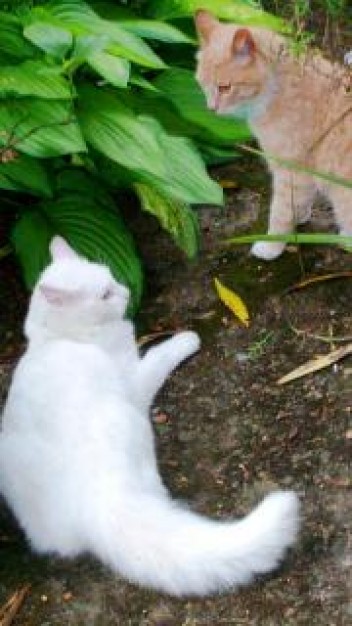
(311, 280)
(324, 338)
(316, 364)
(9, 610)
(145, 339)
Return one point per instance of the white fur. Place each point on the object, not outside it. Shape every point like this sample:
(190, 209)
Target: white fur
(77, 459)
(267, 250)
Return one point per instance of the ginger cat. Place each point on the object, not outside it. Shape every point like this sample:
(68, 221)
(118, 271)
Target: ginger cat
(297, 108)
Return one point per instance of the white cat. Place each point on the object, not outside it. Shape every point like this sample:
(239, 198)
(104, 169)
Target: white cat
(77, 458)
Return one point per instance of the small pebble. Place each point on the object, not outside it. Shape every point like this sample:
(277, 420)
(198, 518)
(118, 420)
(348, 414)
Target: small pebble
(160, 418)
(242, 357)
(67, 596)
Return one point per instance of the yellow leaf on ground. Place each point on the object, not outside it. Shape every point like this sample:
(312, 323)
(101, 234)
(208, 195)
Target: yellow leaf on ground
(233, 302)
(228, 184)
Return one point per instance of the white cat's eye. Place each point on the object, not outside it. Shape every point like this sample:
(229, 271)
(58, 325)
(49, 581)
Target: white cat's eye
(108, 293)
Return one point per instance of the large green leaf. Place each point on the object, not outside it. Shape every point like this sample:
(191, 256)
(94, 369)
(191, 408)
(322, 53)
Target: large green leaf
(81, 19)
(136, 78)
(153, 29)
(25, 174)
(52, 39)
(31, 237)
(77, 179)
(87, 45)
(114, 175)
(153, 104)
(140, 144)
(94, 230)
(34, 78)
(181, 88)
(238, 11)
(114, 69)
(11, 39)
(8, 184)
(40, 128)
(176, 217)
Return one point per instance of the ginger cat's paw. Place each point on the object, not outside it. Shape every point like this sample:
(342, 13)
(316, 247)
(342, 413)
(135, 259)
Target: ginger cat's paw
(346, 246)
(267, 250)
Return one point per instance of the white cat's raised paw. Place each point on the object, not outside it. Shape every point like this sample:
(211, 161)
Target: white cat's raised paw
(187, 341)
(268, 250)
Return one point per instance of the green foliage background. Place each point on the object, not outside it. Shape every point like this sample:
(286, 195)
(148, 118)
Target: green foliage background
(96, 98)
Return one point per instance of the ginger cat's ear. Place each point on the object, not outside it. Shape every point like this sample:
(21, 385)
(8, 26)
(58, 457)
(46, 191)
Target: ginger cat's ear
(205, 23)
(243, 44)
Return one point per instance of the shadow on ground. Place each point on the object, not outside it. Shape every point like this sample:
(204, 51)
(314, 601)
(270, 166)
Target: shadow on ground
(226, 432)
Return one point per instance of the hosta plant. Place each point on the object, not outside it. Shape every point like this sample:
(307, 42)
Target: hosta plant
(90, 104)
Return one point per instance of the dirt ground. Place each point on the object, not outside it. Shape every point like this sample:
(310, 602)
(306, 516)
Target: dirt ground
(226, 432)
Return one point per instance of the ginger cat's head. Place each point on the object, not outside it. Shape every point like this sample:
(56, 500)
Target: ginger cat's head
(232, 71)
(74, 296)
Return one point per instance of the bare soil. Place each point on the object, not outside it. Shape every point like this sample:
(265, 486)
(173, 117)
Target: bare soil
(226, 432)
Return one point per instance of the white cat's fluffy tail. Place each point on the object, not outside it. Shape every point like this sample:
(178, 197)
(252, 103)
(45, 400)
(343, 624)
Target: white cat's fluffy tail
(158, 543)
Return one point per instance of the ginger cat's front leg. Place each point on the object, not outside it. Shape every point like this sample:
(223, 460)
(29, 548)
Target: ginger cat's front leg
(341, 199)
(291, 202)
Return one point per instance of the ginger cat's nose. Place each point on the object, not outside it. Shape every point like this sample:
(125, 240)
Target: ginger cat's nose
(224, 88)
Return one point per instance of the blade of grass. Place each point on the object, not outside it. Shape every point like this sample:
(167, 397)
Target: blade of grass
(291, 164)
(296, 238)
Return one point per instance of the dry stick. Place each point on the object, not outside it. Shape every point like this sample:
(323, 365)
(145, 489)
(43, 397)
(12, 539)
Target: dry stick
(325, 338)
(9, 611)
(316, 364)
(311, 280)
(145, 339)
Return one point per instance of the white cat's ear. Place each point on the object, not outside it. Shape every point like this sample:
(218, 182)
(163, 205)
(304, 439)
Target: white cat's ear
(57, 296)
(59, 249)
(205, 23)
(243, 44)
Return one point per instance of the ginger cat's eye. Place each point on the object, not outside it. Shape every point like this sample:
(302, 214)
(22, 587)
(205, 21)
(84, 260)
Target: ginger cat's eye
(224, 88)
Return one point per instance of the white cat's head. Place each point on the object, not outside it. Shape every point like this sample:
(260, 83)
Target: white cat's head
(74, 295)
